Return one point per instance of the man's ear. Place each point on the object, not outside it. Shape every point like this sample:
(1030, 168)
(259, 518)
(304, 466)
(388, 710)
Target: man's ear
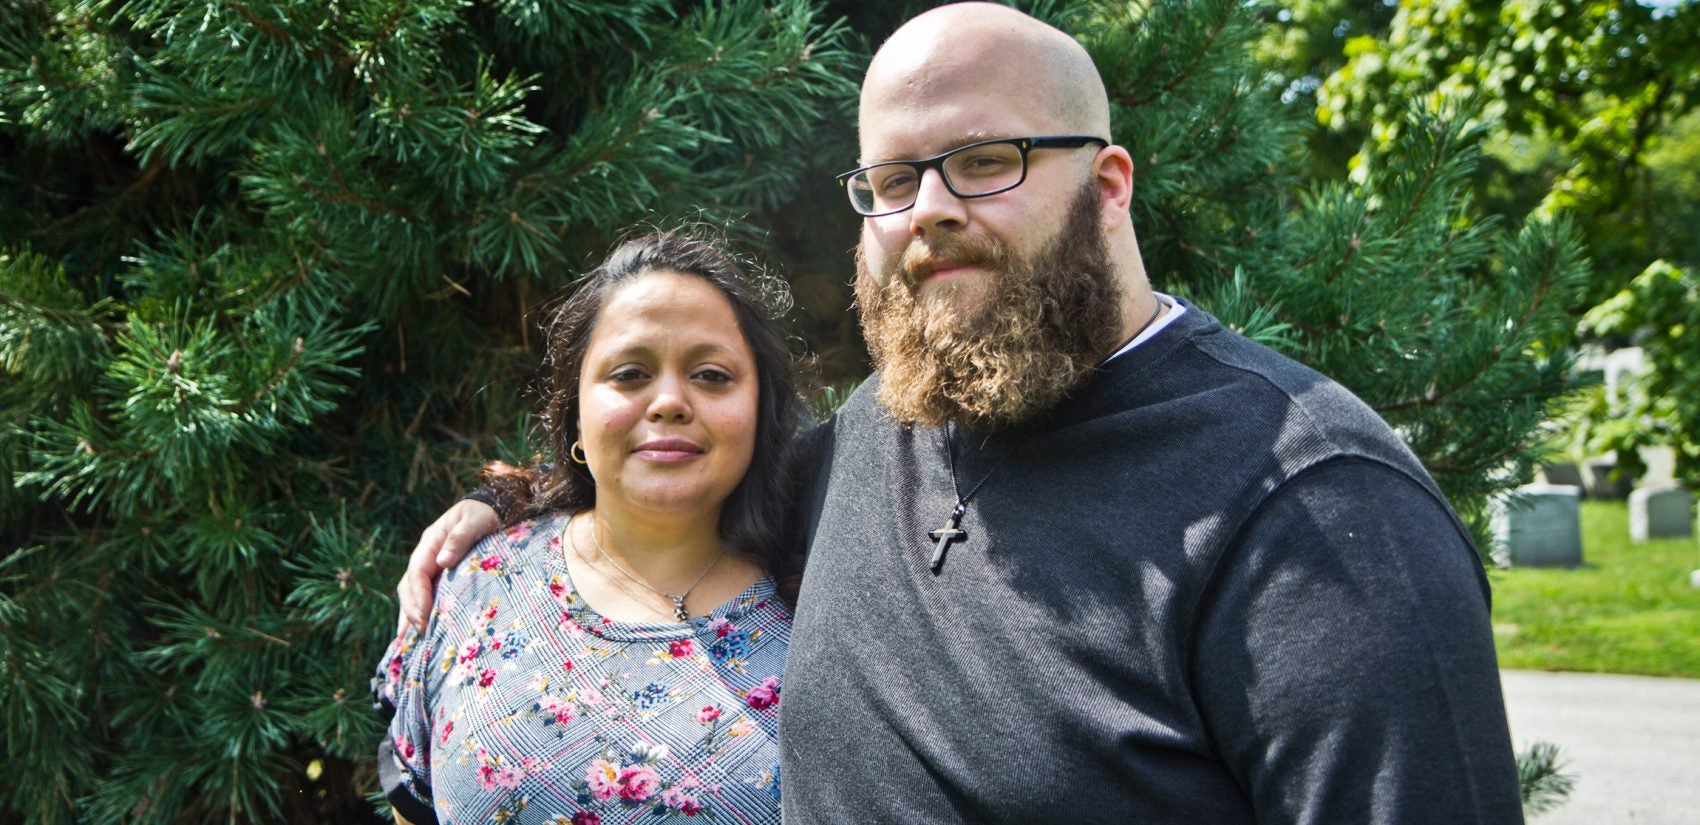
(1112, 169)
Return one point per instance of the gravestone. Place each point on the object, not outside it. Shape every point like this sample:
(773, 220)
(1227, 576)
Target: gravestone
(1539, 526)
(1602, 484)
(1660, 512)
(1660, 463)
(1561, 472)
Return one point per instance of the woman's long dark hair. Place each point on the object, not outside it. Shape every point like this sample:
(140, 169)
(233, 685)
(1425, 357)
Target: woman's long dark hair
(752, 520)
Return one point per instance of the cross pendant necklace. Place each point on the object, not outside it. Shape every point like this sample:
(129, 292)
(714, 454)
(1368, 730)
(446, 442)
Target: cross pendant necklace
(952, 530)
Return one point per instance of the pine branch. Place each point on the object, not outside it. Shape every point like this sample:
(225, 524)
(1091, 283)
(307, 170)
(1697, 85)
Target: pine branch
(283, 38)
(1129, 97)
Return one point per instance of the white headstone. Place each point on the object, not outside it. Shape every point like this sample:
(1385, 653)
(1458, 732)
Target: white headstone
(1618, 362)
(1660, 512)
(1539, 526)
(1660, 461)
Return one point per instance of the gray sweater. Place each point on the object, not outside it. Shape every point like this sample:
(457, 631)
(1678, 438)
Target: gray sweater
(1213, 587)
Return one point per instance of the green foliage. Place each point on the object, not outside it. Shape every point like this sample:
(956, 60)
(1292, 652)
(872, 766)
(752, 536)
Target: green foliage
(1541, 778)
(1660, 312)
(265, 279)
(1408, 271)
(1594, 82)
(268, 275)
(1210, 140)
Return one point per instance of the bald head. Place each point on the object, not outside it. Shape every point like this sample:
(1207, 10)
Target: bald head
(973, 72)
(966, 50)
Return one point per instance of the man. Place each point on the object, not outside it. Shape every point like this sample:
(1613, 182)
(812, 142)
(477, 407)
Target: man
(1078, 553)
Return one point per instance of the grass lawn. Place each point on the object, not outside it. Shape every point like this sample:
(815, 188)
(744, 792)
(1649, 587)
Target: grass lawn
(1628, 609)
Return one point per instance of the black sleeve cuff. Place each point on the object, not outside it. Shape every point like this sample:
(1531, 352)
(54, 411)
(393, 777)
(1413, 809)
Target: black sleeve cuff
(503, 505)
(399, 788)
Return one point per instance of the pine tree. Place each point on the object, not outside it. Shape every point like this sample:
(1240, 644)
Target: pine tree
(266, 271)
(264, 293)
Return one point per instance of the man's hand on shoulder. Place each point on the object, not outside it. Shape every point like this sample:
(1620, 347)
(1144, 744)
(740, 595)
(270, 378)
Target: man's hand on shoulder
(440, 547)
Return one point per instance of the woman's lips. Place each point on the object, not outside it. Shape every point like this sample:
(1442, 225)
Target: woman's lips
(668, 450)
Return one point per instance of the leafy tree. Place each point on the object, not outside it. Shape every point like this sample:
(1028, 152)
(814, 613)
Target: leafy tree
(1578, 94)
(1660, 312)
(1588, 106)
(265, 270)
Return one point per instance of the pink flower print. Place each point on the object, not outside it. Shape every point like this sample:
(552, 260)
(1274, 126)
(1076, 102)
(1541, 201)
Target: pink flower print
(490, 562)
(404, 747)
(490, 612)
(721, 627)
(557, 588)
(394, 668)
(508, 778)
(540, 682)
(448, 728)
(638, 783)
(571, 625)
(591, 696)
(486, 677)
(562, 710)
(676, 799)
(487, 777)
(603, 778)
(470, 652)
(765, 695)
(586, 818)
(708, 714)
(519, 532)
(530, 763)
(681, 649)
(742, 726)
(567, 665)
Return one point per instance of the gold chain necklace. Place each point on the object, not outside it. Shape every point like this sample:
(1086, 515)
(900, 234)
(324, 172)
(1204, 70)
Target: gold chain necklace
(678, 599)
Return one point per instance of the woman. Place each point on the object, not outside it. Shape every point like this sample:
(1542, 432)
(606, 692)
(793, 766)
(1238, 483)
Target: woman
(617, 656)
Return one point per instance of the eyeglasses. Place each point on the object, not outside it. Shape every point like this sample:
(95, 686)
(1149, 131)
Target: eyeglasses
(972, 171)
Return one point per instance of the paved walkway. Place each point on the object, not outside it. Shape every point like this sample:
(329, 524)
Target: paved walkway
(1632, 742)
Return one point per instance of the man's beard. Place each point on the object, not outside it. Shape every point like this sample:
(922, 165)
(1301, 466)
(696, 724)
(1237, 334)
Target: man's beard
(1038, 332)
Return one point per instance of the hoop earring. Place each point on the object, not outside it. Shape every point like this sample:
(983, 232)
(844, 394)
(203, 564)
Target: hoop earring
(576, 453)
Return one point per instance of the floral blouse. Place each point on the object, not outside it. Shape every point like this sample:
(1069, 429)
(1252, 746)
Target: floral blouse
(520, 704)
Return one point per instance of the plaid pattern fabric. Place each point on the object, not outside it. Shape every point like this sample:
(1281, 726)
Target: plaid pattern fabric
(521, 704)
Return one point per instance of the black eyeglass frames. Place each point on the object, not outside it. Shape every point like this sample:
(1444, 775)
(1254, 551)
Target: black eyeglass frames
(973, 171)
